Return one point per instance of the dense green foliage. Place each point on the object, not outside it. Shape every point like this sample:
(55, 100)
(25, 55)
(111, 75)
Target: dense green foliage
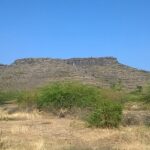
(68, 95)
(108, 114)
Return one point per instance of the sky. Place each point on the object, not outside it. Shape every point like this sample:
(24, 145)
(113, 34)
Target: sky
(76, 28)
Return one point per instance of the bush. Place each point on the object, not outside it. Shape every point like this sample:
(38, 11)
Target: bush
(67, 95)
(108, 114)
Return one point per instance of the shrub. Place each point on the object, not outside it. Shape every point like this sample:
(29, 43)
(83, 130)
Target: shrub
(117, 86)
(67, 95)
(139, 88)
(108, 114)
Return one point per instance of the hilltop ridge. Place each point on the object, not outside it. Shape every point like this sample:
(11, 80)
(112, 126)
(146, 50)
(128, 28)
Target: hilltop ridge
(101, 71)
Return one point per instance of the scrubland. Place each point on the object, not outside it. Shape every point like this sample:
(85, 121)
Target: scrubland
(72, 116)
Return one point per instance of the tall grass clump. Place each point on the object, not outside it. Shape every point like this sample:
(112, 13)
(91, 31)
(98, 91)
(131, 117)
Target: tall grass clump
(113, 95)
(68, 95)
(107, 114)
(27, 99)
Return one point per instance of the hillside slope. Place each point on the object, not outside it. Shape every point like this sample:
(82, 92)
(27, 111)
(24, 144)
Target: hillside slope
(104, 71)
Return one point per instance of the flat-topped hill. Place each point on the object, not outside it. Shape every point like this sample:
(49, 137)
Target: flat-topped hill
(103, 72)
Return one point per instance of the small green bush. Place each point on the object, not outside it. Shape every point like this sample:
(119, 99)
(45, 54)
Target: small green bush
(67, 95)
(108, 114)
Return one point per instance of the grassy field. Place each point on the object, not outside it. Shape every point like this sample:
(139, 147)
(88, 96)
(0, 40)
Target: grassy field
(27, 122)
(42, 131)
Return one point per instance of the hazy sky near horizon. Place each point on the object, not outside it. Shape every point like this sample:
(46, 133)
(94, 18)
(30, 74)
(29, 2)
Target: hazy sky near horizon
(76, 28)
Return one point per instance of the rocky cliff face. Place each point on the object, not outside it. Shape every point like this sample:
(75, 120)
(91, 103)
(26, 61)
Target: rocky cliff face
(31, 73)
(92, 61)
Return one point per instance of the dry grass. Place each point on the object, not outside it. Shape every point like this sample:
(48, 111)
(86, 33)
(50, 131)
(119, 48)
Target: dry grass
(34, 131)
(4, 115)
(137, 106)
(134, 138)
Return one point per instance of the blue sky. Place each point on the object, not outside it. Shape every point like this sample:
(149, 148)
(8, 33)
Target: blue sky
(76, 28)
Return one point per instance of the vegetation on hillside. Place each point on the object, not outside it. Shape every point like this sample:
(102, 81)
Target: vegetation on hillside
(146, 95)
(103, 106)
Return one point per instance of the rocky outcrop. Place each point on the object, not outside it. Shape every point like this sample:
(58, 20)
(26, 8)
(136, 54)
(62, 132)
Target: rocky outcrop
(103, 71)
(103, 61)
(33, 61)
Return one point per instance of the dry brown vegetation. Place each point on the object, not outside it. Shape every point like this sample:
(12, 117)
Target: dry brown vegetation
(38, 131)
